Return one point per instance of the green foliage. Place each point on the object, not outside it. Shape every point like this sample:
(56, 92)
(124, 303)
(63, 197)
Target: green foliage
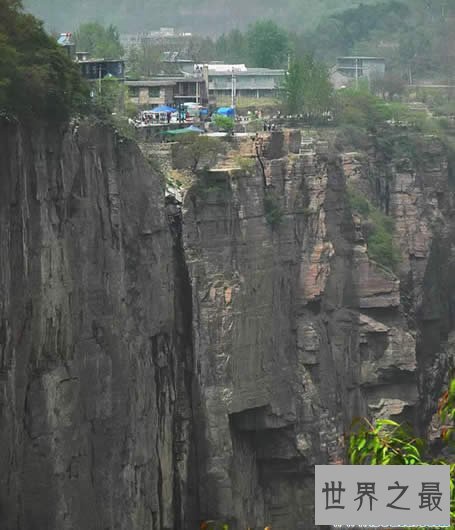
(224, 122)
(37, 79)
(359, 203)
(198, 150)
(144, 60)
(307, 87)
(379, 227)
(99, 41)
(246, 164)
(385, 442)
(361, 109)
(272, 209)
(267, 44)
(111, 96)
(388, 443)
(232, 47)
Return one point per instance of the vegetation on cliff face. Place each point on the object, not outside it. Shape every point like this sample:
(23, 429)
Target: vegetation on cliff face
(386, 442)
(37, 79)
(378, 229)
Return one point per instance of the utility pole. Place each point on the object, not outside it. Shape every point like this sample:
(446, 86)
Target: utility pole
(233, 89)
(356, 73)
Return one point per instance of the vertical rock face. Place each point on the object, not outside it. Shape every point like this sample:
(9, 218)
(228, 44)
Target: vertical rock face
(297, 331)
(95, 401)
(154, 370)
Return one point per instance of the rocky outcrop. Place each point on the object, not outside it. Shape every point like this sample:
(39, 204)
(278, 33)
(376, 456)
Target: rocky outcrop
(160, 365)
(297, 330)
(95, 347)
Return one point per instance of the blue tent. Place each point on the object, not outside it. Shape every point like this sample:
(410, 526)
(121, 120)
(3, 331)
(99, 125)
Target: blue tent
(163, 109)
(226, 111)
(193, 128)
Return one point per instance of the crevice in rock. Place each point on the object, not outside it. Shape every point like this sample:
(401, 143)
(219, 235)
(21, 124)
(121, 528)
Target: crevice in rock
(186, 497)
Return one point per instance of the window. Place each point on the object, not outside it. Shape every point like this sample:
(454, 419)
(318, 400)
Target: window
(154, 92)
(133, 91)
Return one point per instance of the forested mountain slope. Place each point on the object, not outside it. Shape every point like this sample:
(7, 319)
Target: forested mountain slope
(204, 16)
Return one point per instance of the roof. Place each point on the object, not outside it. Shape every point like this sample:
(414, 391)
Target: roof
(149, 83)
(93, 61)
(163, 109)
(364, 58)
(249, 72)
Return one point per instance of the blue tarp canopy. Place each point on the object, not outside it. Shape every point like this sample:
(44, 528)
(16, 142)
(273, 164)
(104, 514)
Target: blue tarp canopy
(162, 109)
(226, 111)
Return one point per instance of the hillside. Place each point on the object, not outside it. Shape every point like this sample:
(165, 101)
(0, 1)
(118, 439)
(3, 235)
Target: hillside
(202, 16)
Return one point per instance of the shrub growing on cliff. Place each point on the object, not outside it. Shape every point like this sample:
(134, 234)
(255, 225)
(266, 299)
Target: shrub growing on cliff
(37, 79)
(272, 209)
(379, 229)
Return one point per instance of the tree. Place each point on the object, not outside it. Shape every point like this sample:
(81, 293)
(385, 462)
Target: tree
(389, 86)
(197, 150)
(37, 79)
(293, 90)
(99, 41)
(361, 108)
(232, 47)
(144, 60)
(307, 87)
(267, 44)
(224, 122)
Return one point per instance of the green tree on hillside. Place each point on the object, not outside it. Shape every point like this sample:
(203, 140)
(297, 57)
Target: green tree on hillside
(37, 79)
(267, 44)
(99, 41)
(307, 87)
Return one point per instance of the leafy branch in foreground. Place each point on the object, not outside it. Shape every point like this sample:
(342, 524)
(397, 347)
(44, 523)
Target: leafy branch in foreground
(386, 442)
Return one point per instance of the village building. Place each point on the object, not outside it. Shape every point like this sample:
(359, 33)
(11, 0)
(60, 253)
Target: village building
(358, 67)
(96, 69)
(168, 90)
(130, 40)
(206, 83)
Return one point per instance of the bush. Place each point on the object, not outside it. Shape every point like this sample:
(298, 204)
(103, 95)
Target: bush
(361, 109)
(380, 228)
(224, 122)
(272, 209)
(246, 164)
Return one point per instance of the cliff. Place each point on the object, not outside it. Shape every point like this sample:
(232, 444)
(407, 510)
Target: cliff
(95, 349)
(297, 330)
(160, 366)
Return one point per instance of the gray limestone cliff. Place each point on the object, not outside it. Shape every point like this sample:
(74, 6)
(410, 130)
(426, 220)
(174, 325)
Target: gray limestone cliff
(159, 366)
(95, 347)
(296, 330)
